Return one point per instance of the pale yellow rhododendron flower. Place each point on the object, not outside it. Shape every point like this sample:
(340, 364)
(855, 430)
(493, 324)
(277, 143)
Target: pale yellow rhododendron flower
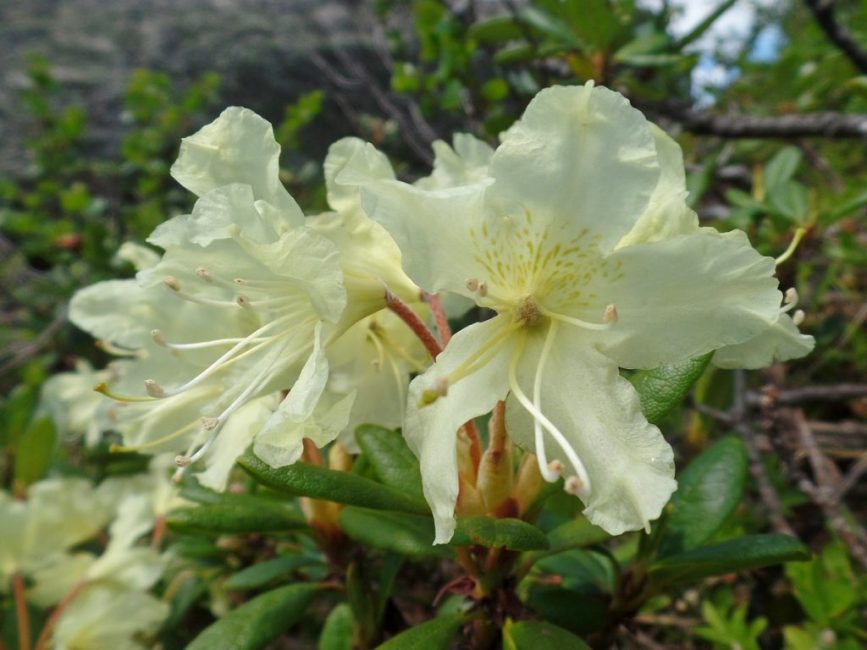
(242, 305)
(579, 239)
(57, 515)
(106, 616)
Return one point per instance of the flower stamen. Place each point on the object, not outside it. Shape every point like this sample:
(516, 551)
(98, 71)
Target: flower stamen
(540, 421)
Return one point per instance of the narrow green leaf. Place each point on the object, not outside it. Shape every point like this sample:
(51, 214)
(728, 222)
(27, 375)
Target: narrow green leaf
(435, 634)
(551, 26)
(254, 516)
(264, 573)
(663, 388)
(391, 458)
(398, 532)
(34, 453)
(496, 30)
(741, 554)
(781, 167)
(257, 622)
(531, 635)
(512, 534)
(708, 491)
(576, 533)
(302, 479)
(696, 32)
(337, 631)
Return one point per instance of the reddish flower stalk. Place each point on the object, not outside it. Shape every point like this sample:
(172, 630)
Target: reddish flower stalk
(22, 616)
(408, 316)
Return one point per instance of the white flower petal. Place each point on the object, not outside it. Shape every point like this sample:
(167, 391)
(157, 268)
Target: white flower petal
(431, 430)
(350, 163)
(780, 342)
(464, 163)
(629, 464)
(236, 436)
(679, 298)
(667, 214)
(237, 147)
(432, 230)
(580, 158)
(282, 445)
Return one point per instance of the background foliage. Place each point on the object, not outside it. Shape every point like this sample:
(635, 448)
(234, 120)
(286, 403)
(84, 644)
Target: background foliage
(770, 463)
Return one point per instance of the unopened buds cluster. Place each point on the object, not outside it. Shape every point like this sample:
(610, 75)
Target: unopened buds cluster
(260, 326)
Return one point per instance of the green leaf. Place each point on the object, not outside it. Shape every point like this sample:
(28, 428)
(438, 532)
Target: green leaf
(337, 631)
(704, 25)
(790, 200)
(530, 635)
(435, 634)
(392, 460)
(781, 167)
(496, 30)
(571, 589)
(663, 388)
(741, 554)
(264, 573)
(512, 534)
(34, 452)
(551, 26)
(576, 533)
(401, 533)
(302, 479)
(708, 491)
(246, 516)
(257, 622)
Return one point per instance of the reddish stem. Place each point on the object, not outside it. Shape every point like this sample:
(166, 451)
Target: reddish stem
(22, 616)
(408, 316)
(45, 635)
(158, 533)
(440, 318)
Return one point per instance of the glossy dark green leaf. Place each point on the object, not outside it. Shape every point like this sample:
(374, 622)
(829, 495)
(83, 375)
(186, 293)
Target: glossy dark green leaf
(257, 622)
(576, 533)
(663, 388)
(532, 635)
(513, 534)
(435, 634)
(264, 573)
(391, 458)
(741, 554)
(708, 491)
(571, 589)
(35, 451)
(302, 479)
(337, 632)
(254, 516)
(398, 532)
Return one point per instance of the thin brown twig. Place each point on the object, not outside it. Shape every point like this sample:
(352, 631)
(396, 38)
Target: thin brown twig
(766, 489)
(823, 12)
(822, 491)
(851, 478)
(794, 396)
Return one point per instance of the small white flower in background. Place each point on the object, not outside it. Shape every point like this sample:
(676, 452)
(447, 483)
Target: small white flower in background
(580, 240)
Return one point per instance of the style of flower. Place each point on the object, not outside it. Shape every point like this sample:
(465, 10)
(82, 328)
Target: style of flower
(580, 240)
